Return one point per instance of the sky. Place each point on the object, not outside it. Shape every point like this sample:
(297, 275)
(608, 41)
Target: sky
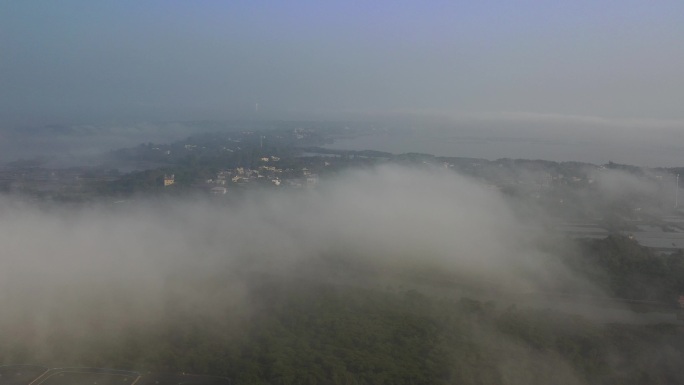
(166, 60)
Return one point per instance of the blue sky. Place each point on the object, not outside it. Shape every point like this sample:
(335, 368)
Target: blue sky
(165, 60)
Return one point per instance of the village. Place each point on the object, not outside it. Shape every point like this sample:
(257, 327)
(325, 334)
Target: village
(269, 173)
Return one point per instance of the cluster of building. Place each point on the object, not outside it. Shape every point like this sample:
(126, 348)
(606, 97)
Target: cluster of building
(267, 173)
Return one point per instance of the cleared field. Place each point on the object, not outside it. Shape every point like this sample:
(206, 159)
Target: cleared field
(181, 379)
(86, 376)
(20, 374)
(39, 375)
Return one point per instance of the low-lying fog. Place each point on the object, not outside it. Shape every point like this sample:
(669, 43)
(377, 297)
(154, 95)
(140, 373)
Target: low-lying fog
(100, 269)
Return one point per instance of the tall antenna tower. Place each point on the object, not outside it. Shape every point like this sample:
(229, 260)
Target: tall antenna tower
(677, 192)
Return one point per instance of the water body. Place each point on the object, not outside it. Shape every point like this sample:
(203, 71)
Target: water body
(660, 239)
(591, 150)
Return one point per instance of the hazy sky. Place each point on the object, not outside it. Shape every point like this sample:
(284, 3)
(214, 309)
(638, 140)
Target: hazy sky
(70, 60)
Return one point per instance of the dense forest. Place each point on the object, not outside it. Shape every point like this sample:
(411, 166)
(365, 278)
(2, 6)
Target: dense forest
(627, 270)
(313, 334)
(309, 331)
